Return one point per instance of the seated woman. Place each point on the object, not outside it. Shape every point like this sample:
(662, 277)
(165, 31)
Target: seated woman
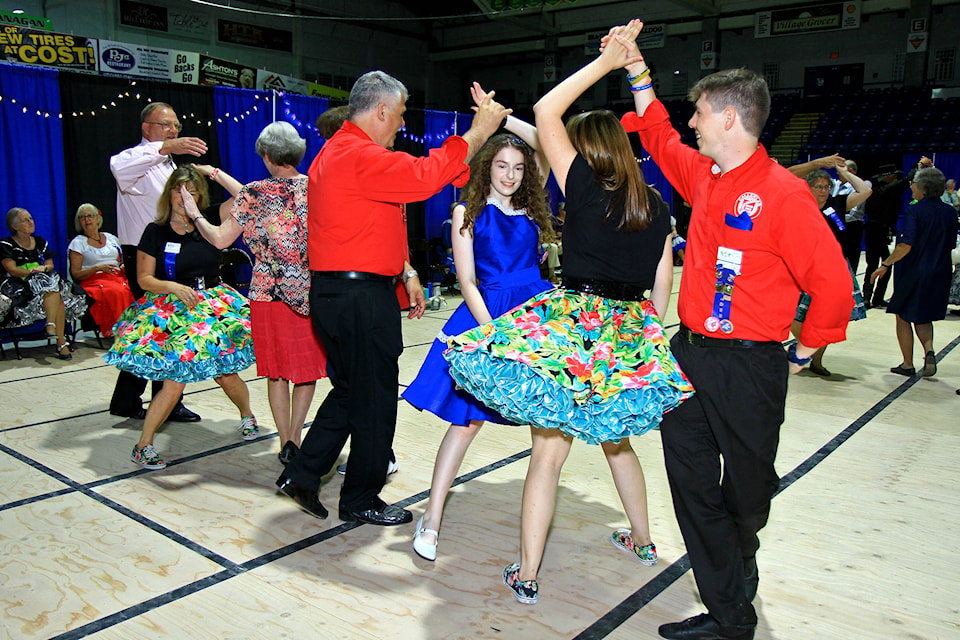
(188, 326)
(96, 262)
(35, 289)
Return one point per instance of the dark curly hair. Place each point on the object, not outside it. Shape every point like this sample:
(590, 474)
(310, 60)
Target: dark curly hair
(530, 196)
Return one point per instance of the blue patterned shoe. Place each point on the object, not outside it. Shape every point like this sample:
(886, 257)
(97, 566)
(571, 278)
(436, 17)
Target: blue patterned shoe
(249, 429)
(524, 590)
(647, 554)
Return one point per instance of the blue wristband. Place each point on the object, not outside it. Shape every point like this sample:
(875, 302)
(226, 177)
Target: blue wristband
(641, 88)
(794, 358)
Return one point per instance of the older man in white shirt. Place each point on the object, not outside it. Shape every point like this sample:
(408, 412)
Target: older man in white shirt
(140, 173)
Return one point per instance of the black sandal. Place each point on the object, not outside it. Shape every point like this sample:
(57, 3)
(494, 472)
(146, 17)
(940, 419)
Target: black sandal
(930, 364)
(903, 371)
(64, 356)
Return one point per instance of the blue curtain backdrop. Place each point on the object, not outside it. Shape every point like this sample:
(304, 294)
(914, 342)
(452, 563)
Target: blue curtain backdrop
(302, 112)
(32, 163)
(437, 127)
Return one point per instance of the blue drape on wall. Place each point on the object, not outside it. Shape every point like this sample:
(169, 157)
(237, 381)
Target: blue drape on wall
(438, 126)
(32, 160)
(654, 177)
(237, 134)
(302, 112)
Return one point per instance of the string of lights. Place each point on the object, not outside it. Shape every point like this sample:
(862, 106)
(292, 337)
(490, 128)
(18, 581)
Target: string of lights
(258, 100)
(280, 14)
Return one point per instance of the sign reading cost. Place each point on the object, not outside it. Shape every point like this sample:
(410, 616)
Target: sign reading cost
(49, 49)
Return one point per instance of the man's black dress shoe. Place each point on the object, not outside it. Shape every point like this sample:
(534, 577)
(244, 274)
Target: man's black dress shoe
(139, 414)
(379, 513)
(288, 453)
(751, 577)
(705, 627)
(308, 499)
(181, 414)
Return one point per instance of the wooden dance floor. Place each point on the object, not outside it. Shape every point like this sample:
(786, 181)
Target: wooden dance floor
(862, 541)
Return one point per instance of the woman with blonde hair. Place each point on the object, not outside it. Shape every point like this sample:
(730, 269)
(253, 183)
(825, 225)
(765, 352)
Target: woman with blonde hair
(189, 326)
(96, 263)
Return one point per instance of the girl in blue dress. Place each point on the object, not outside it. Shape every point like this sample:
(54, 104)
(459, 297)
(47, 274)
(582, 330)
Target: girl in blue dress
(496, 238)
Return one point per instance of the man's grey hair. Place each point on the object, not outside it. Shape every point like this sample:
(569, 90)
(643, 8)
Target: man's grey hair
(372, 88)
(280, 143)
(929, 182)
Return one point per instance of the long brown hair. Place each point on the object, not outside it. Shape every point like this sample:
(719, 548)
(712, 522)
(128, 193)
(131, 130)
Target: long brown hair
(599, 137)
(530, 196)
(181, 175)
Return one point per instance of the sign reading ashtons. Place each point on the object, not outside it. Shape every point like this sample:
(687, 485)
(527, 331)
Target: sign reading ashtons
(46, 49)
(808, 19)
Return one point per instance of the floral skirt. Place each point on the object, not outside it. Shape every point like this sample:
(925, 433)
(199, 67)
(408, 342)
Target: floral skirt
(595, 368)
(159, 338)
(859, 311)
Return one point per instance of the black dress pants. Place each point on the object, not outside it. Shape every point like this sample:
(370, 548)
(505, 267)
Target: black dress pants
(358, 322)
(852, 241)
(735, 414)
(877, 239)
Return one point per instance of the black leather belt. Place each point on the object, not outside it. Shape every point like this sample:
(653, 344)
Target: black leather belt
(605, 288)
(698, 340)
(353, 275)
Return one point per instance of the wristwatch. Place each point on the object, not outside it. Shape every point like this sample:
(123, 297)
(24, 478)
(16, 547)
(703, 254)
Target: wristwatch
(409, 274)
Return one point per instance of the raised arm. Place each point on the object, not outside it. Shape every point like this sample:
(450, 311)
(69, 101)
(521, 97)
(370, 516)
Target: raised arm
(550, 108)
(826, 162)
(221, 236)
(861, 190)
(523, 130)
(225, 180)
(487, 119)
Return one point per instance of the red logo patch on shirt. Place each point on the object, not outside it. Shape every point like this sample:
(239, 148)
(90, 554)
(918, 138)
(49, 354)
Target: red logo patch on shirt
(749, 203)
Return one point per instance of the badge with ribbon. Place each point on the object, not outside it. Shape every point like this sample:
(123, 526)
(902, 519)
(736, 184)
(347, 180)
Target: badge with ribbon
(170, 251)
(728, 268)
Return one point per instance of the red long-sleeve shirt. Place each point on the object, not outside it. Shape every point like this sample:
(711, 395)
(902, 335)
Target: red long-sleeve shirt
(788, 246)
(356, 193)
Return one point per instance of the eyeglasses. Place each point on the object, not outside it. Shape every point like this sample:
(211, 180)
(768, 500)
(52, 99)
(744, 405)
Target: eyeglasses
(88, 216)
(821, 187)
(168, 125)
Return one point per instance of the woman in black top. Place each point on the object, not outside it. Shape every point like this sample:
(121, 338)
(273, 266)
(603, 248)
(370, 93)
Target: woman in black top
(188, 326)
(588, 360)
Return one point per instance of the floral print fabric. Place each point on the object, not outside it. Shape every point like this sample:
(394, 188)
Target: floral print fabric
(159, 338)
(273, 214)
(595, 368)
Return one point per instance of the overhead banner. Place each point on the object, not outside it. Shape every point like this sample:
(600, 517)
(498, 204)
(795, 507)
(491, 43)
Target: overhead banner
(214, 71)
(8, 18)
(185, 67)
(143, 15)
(251, 35)
(60, 50)
(808, 19)
(123, 59)
(280, 82)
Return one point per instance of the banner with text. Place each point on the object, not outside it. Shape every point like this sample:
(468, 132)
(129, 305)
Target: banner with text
(808, 19)
(123, 59)
(60, 50)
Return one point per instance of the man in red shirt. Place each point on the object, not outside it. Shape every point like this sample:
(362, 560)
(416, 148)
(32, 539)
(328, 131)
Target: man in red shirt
(357, 246)
(756, 238)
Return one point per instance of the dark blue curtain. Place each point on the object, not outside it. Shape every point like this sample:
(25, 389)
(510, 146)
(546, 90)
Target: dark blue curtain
(438, 126)
(302, 112)
(654, 177)
(32, 160)
(241, 116)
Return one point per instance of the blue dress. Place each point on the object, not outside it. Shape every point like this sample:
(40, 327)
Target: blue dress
(506, 249)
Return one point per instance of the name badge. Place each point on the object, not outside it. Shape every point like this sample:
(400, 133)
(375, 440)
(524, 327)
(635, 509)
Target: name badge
(728, 268)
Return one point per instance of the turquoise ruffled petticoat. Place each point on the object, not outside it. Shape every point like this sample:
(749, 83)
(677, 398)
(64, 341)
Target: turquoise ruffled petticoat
(594, 368)
(159, 338)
